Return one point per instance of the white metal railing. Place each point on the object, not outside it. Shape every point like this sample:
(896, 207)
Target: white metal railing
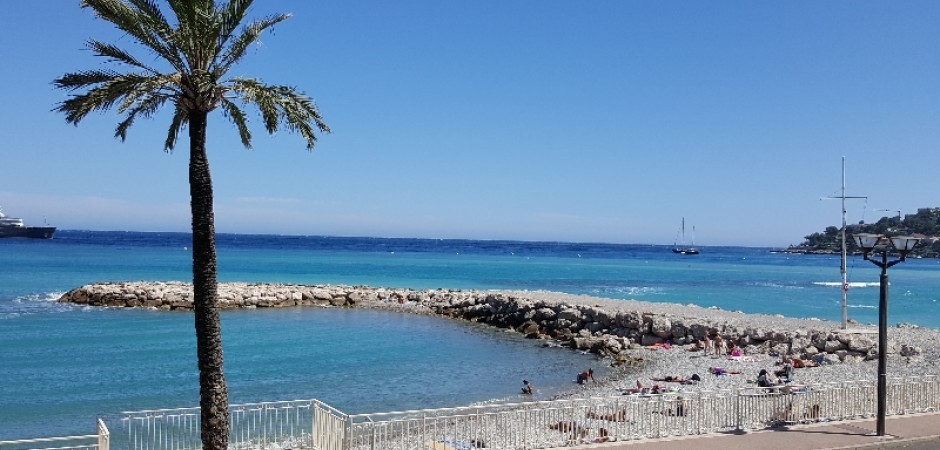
(562, 423)
(329, 427)
(98, 441)
(256, 426)
(314, 425)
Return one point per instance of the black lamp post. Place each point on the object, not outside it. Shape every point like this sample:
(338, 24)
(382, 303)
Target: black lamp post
(876, 243)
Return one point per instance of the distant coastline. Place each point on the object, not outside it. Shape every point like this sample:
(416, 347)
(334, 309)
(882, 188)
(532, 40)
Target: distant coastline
(924, 224)
(810, 251)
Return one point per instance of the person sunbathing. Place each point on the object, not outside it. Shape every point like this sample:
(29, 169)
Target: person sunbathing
(722, 371)
(637, 390)
(801, 363)
(659, 345)
(640, 389)
(679, 379)
(568, 426)
(794, 389)
(671, 379)
(620, 416)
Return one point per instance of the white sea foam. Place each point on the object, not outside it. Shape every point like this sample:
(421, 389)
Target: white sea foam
(770, 284)
(32, 303)
(852, 284)
(43, 297)
(631, 291)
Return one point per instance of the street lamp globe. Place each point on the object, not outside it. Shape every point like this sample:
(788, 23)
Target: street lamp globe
(904, 244)
(867, 241)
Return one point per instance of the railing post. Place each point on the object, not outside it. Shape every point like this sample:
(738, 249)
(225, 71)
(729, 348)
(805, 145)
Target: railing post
(525, 427)
(374, 431)
(739, 421)
(104, 436)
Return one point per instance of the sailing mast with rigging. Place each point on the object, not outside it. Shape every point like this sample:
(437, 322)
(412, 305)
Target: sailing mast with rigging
(845, 281)
(681, 248)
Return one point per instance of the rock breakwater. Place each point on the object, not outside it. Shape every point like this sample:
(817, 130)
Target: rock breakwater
(603, 326)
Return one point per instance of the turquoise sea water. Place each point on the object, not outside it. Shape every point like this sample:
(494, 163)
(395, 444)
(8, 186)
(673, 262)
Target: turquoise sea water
(63, 365)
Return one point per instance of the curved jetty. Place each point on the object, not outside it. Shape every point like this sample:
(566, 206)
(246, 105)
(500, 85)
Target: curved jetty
(606, 327)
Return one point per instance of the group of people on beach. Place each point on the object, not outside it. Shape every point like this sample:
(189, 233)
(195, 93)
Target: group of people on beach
(715, 344)
(778, 380)
(709, 344)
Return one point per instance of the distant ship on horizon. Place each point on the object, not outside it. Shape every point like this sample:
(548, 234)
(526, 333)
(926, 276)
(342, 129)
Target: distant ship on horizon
(14, 227)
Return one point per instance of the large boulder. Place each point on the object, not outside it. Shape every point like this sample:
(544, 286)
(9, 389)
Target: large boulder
(661, 326)
(570, 314)
(629, 319)
(860, 344)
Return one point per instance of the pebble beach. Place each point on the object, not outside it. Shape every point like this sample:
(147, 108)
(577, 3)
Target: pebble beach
(681, 360)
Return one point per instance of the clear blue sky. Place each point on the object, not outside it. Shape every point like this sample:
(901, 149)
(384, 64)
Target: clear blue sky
(602, 121)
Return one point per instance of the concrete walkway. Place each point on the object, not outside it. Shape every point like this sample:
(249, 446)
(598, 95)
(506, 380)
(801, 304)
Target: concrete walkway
(920, 431)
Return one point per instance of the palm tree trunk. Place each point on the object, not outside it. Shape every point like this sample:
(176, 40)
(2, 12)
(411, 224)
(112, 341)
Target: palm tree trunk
(213, 393)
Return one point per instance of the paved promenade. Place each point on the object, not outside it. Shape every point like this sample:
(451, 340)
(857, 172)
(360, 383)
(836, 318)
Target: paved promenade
(921, 431)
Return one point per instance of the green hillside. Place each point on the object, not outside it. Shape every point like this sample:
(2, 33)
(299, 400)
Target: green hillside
(925, 223)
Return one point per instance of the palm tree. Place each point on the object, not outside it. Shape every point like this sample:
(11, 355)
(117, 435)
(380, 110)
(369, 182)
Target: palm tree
(207, 40)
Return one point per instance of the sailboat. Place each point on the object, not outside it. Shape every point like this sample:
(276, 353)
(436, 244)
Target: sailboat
(681, 248)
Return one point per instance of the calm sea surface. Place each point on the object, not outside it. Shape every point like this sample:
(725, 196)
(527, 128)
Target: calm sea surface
(62, 365)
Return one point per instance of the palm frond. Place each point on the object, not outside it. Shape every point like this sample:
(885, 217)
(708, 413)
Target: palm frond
(145, 107)
(197, 33)
(103, 96)
(231, 16)
(78, 80)
(150, 9)
(298, 111)
(243, 41)
(116, 55)
(143, 22)
(180, 118)
(252, 91)
(235, 114)
(282, 104)
(160, 85)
